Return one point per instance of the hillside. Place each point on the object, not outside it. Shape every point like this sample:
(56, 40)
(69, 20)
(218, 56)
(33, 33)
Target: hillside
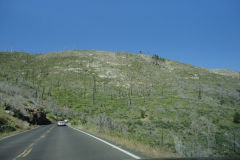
(152, 100)
(10, 125)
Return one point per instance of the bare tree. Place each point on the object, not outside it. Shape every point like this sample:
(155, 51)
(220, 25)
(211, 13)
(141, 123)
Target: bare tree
(94, 90)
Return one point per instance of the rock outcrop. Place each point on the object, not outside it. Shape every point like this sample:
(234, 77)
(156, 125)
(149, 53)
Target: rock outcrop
(37, 116)
(31, 115)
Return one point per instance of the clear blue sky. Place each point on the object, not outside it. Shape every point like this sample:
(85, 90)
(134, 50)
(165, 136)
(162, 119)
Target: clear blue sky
(205, 33)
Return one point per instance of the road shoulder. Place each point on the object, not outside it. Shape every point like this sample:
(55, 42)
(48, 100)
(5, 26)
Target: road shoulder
(123, 148)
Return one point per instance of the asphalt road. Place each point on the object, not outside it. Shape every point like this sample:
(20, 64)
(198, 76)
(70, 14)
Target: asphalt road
(51, 142)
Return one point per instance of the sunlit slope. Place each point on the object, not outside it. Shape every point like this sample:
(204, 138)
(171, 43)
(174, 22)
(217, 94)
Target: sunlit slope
(154, 100)
(123, 76)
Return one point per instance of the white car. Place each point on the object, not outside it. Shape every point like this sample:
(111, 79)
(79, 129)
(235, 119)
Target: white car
(61, 123)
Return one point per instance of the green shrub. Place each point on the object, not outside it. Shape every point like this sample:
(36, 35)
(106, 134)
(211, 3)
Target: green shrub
(6, 125)
(143, 114)
(139, 122)
(74, 122)
(51, 117)
(236, 117)
(83, 121)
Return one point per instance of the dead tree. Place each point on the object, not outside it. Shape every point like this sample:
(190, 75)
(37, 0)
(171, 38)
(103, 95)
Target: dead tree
(94, 90)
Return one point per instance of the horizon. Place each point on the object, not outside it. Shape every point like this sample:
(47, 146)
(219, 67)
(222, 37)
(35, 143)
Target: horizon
(116, 52)
(201, 33)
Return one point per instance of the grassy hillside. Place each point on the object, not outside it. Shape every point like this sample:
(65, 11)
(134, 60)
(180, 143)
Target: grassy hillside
(10, 125)
(155, 101)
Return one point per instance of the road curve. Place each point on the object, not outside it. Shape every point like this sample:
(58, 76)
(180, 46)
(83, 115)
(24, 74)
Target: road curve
(51, 142)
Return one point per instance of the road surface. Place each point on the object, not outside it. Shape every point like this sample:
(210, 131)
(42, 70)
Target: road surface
(51, 142)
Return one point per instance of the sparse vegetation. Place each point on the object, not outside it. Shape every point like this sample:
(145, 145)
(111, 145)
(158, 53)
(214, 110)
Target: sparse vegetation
(150, 100)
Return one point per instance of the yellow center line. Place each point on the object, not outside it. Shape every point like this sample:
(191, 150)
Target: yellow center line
(29, 148)
(27, 152)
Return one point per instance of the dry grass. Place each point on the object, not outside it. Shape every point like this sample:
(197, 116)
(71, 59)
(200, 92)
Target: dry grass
(6, 134)
(154, 152)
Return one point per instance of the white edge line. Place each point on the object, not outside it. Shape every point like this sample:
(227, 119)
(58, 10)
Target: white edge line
(118, 148)
(18, 133)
